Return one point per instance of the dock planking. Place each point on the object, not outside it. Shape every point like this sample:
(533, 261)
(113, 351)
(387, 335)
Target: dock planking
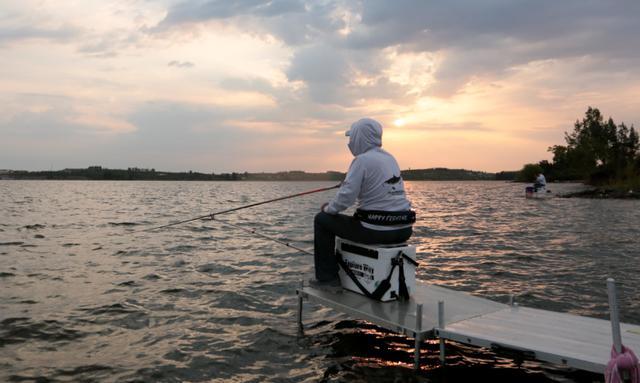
(571, 340)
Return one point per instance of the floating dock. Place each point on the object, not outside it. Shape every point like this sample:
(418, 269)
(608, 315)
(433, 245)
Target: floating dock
(570, 340)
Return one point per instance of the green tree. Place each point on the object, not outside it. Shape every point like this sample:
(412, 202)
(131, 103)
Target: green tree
(597, 151)
(547, 168)
(529, 173)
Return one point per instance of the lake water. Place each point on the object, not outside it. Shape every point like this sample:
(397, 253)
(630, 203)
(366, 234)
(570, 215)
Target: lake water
(84, 298)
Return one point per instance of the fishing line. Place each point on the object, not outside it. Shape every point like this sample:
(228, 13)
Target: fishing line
(212, 215)
(264, 236)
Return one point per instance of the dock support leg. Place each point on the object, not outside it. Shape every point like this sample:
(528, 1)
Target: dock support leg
(418, 338)
(613, 315)
(615, 321)
(300, 303)
(441, 326)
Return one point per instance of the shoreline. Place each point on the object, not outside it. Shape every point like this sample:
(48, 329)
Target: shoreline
(604, 193)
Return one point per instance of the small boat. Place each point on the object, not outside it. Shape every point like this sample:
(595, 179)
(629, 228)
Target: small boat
(540, 192)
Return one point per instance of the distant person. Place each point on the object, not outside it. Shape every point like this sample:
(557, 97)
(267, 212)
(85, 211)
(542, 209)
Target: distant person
(383, 214)
(540, 183)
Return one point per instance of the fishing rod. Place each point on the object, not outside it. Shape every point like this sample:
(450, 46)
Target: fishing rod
(254, 232)
(212, 215)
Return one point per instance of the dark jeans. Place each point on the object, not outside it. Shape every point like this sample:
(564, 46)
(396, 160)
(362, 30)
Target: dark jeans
(328, 226)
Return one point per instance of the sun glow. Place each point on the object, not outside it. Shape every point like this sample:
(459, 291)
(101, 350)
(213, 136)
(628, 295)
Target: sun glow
(400, 122)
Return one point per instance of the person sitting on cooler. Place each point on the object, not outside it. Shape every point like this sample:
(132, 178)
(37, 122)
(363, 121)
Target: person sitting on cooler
(383, 214)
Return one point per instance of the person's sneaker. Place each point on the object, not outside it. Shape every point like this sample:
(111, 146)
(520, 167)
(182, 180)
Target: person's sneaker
(331, 286)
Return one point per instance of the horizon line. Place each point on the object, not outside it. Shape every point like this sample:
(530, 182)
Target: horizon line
(98, 167)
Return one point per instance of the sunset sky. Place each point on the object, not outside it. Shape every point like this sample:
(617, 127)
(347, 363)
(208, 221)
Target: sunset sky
(220, 86)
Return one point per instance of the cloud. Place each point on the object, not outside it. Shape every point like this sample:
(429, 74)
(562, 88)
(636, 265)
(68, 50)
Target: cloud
(178, 136)
(294, 22)
(52, 117)
(200, 11)
(260, 85)
(469, 126)
(543, 134)
(420, 25)
(303, 70)
(181, 64)
(474, 39)
(47, 125)
(324, 70)
(485, 39)
(219, 9)
(109, 44)
(51, 133)
(14, 34)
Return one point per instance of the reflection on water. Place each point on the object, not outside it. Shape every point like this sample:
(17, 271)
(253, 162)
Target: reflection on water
(82, 297)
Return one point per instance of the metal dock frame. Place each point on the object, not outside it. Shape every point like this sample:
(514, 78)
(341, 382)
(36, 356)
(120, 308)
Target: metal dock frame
(416, 332)
(565, 339)
(416, 318)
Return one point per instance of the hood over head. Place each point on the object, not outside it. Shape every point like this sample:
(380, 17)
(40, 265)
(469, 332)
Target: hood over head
(364, 134)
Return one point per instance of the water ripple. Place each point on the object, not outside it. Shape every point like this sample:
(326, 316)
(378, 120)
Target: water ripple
(20, 329)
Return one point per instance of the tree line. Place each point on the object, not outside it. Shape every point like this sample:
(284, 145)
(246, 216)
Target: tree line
(130, 174)
(597, 152)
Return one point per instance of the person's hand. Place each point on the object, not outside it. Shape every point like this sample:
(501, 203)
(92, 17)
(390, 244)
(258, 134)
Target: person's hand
(323, 206)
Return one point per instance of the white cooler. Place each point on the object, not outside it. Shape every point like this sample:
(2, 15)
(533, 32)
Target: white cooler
(371, 264)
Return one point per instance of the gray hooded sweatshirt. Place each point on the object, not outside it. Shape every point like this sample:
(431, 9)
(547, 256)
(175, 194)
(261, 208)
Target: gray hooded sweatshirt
(373, 179)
